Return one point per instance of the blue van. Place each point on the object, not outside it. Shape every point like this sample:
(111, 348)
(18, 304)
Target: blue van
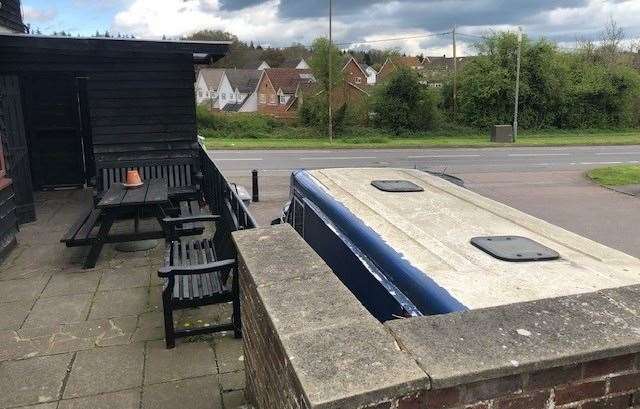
(408, 243)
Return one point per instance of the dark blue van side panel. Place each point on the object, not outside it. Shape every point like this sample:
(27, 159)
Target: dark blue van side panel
(383, 300)
(421, 290)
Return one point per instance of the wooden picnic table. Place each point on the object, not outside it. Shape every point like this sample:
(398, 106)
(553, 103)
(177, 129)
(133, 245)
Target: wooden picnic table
(151, 198)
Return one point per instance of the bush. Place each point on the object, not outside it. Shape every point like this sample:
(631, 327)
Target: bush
(557, 89)
(235, 125)
(314, 112)
(404, 103)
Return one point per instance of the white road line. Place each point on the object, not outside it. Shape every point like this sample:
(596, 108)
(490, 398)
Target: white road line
(601, 163)
(442, 156)
(617, 153)
(539, 154)
(237, 159)
(339, 158)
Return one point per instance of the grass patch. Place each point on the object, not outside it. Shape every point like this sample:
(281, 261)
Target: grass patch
(290, 137)
(616, 175)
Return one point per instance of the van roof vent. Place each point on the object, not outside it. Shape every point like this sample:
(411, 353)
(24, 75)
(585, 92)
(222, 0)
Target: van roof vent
(514, 248)
(396, 186)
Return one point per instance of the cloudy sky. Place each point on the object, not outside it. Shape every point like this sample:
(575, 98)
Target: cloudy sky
(281, 22)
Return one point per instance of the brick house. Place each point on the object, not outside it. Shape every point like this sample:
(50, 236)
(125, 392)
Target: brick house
(391, 65)
(355, 86)
(280, 88)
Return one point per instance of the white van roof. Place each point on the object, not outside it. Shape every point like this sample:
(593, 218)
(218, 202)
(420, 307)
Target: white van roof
(432, 230)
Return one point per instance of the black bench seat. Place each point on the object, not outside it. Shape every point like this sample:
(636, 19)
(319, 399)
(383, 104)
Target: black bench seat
(80, 233)
(196, 277)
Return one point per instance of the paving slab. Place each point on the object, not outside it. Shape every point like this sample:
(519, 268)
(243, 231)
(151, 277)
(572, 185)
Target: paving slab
(12, 314)
(65, 309)
(23, 289)
(106, 370)
(72, 283)
(496, 342)
(232, 381)
(31, 381)
(115, 400)
(119, 303)
(197, 393)
(124, 277)
(234, 399)
(229, 354)
(150, 327)
(187, 360)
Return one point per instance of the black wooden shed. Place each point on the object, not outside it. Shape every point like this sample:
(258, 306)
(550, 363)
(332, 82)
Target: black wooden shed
(69, 104)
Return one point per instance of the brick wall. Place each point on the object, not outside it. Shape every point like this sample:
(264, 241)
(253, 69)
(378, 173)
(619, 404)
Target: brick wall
(310, 344)
(611, 383)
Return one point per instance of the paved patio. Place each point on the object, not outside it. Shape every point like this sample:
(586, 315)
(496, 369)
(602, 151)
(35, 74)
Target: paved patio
(74, 338)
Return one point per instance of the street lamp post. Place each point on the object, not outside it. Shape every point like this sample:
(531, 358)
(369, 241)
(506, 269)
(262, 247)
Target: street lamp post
(330, 70)
(515, 111)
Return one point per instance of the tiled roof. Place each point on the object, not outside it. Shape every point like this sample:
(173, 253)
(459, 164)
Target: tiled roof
(212, 77)
(232, 107)
(245, 81)
(288, 79)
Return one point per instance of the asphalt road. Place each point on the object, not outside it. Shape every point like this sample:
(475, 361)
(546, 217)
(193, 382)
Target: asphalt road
(548, 183)
(454, 160)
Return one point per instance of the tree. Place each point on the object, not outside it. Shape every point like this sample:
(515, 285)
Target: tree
(273, 56)
(319, 63)
(612, 37)
(403, 103)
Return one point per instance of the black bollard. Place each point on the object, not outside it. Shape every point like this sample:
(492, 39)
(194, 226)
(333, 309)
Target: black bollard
(255, 190)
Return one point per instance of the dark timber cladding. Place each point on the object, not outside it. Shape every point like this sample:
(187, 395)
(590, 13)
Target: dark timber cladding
(11, 16)
(8, 221)
(140, 93)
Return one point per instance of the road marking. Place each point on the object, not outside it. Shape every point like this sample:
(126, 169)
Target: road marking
(617, 153)
(339, 158)
(236, 159)
(442, 156)
(601, 163)
(539, 154)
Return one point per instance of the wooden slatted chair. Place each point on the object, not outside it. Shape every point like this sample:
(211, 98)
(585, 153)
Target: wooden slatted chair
(196, 275)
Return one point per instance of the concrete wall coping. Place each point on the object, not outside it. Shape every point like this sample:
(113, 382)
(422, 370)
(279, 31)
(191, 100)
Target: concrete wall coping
(340, 356)
(338, 353)
(483, 344)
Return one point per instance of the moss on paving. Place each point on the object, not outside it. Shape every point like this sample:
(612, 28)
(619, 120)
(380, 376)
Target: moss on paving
(616, 175)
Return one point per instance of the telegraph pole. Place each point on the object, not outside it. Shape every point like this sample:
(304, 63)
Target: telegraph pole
(515, 113)
(455, 72)
(330, 70)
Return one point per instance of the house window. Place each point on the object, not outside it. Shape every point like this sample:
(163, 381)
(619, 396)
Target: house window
(200, 93)
(283, 99)
(358, 80)
(224, 96)
(263, 99)
(272, 99)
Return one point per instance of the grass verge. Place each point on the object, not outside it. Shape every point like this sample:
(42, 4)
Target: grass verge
(304, 138)
(616, 175)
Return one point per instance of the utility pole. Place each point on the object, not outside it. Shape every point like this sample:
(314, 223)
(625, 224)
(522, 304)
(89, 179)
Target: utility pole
(330, 70)
(455, 72)
(515, 112)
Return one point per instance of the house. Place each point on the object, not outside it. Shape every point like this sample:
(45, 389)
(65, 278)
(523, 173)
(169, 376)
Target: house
(10, 22)
(372, 74)
(244, 84)
(263, 65)
(280, 88)
(95, 101)
(11, 17)
(297, 63)
(392, 64)
(355, 86)
(437, 69)
(209, 83)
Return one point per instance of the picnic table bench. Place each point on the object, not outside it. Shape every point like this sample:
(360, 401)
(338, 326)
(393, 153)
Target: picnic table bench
(118, 201)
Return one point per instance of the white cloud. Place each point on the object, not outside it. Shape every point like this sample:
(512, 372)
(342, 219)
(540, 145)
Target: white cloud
(263, 24)
(38, 15)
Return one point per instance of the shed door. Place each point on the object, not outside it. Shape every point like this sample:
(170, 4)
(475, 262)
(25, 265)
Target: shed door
(55, 131)
(15, 144)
